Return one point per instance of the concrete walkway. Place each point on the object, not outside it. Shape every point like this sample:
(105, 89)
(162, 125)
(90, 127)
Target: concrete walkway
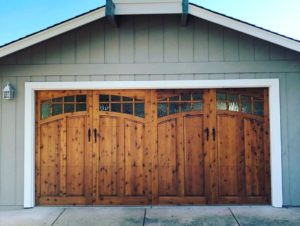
(179, 215)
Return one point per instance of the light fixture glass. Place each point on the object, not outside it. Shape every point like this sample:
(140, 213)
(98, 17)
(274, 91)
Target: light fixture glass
(8, 92)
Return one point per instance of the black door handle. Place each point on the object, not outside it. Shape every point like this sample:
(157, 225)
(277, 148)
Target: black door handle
(89, 135)
(207, 133)
(95, 135)
(214, 133)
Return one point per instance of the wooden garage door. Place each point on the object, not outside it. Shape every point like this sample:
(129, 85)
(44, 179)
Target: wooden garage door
(152, 147)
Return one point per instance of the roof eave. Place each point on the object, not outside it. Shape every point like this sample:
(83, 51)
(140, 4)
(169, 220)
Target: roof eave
(244, 28)
(52, 32)
(151, 8)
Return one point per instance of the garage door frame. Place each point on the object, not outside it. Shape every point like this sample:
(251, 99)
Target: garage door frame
(275, 129)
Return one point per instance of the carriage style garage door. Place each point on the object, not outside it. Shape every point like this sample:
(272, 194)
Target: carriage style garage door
(152, 147)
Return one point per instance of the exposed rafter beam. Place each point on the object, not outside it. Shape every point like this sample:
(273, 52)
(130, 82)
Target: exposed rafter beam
(185, 12)
(110, 12)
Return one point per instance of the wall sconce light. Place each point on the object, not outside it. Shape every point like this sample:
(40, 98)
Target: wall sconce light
(8, 92)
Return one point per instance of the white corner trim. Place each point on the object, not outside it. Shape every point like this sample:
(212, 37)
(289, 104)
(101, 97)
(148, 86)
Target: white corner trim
(244, 28)
(274, 100)
(52, 32)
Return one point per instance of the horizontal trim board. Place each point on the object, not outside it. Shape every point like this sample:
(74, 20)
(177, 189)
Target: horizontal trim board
(146, 69)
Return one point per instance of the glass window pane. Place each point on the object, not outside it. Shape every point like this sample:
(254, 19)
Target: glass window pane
(69, 108)
(104, 107)
(140, 110)
(127, 108)
(246, 104)
(60, 99)
(221, 105)
(174, 108)
(185, 97)
(233, 97)
(162, 109)
(69, 99)
(221, 96)
(45, 110)
(259, 108)
(127, 99)
(116, 107)
(197, 106)
(185, 107)
(56, 109)
(103, 98)
(81, 98)
(197, 96)
(115, 98)
(233, 104)
(80, 107)
(176, 98)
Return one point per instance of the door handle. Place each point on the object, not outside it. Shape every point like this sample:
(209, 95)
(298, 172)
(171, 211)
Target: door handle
(214, 133)
(89, 135)
(207, 133)
(95, 135)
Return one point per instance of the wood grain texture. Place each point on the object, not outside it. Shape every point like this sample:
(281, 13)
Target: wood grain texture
(191, 157)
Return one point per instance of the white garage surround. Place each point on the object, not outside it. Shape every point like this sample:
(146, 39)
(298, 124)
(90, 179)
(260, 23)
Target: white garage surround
(274, 100)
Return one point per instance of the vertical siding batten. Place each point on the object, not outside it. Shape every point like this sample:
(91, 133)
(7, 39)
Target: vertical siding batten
(97, 42)
(201, 40)
(170, 38)
(8, 149)
(293, 96)
(68, 50)
(141, 39)
(126, 40)
(156, 39)
(285, 136)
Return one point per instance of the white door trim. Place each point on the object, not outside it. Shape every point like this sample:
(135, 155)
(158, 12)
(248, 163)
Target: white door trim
(274, 100)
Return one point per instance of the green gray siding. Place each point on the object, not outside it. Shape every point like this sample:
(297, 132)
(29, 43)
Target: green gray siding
(148, 48)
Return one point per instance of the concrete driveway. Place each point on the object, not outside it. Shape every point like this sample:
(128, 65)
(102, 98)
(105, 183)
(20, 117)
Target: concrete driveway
(179, 215)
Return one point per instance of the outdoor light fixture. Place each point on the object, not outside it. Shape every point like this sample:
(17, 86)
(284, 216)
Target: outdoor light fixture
(8, 92)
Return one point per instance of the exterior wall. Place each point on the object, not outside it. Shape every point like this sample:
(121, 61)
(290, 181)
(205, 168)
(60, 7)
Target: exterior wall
(147, 48)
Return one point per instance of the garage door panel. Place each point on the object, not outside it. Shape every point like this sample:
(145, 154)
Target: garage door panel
(228, 155)
(108, 168)
(134, 158)
(167, 158)
(255, 168)
(50, 158)
(194, 156)
(75, 155)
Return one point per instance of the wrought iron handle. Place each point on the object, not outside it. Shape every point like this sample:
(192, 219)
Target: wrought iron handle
(95, 135)
(207, 133)
(89, 134)
(214, 133)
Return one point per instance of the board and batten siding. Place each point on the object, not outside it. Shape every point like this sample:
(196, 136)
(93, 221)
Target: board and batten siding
(153, 47)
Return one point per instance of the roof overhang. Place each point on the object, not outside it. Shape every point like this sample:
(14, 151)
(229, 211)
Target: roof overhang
(135, 7)
(52, 32)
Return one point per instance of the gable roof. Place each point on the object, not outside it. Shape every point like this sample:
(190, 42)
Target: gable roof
(126, 7)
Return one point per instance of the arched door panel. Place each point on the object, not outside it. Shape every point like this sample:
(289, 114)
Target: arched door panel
(180, 147)
(63, 169)
(121, 169)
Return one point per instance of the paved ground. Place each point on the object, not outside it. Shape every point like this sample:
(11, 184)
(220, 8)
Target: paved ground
(169, 216)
